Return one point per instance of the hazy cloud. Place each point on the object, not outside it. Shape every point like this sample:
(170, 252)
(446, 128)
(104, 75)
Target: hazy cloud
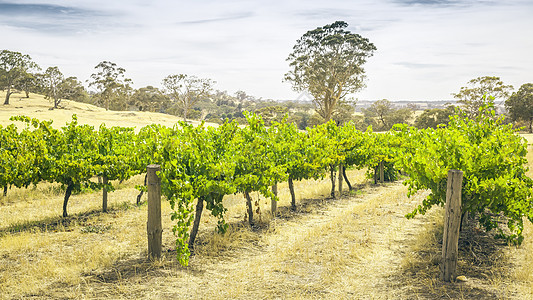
(220, 19)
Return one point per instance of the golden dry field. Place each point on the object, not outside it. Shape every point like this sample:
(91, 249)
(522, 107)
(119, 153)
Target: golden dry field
(38, 107)
(358, 246)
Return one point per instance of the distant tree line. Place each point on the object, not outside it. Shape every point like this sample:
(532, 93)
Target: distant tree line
(192, 97)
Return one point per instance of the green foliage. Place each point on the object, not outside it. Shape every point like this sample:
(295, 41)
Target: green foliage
(520, 105)
(382, 115)
(111, 85)
(432, 118)
(196, 165)
(327, 62)
(492, 158)
(14, 69)
(185, 91)
(481, 91)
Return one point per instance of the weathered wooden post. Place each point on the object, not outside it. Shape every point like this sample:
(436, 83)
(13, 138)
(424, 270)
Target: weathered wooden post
(340, 179)
(104, 194)
(153, 225)
(274, 203)
(452, 223)
(381, 172)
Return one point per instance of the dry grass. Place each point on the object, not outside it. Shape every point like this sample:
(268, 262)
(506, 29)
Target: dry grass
(38, 107)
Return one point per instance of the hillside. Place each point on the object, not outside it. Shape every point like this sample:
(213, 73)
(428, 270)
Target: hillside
(38, 107)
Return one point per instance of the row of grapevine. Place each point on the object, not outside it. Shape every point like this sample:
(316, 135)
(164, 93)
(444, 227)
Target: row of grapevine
(71, 156)
(204, 164)
(490, 154)
(200, 165)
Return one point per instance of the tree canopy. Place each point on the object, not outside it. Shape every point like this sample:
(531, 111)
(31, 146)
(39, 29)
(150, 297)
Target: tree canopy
(520, 105)
(185, 90)
(14, 67)
(472, 98)
(328, 63)
(109, 81)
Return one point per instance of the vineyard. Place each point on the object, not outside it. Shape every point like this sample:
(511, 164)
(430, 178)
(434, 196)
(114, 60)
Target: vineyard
(219, 184)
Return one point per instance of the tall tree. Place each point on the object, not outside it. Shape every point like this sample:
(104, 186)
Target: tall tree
(28, 83)
(13, 68)
(73, 89)
(109, 81)
(384, 115)
(56, 87)
(327, 62)
(51, 81)
(520, 105)
(149, 99)
(185, 90)
(380, 110)
(480, 91)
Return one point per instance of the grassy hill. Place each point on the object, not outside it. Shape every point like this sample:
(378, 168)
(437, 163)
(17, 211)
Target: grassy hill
(38, 107)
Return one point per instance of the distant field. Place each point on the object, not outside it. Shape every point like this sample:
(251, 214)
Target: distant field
(38, 107)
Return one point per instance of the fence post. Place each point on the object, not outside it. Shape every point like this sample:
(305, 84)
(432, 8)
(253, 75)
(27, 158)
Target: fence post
(153, 225)
(104, 194)
(340, 179)
(274, 203)
(452, 222)
(381, 172)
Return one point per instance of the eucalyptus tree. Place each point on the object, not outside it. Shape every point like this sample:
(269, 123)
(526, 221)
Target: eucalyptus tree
(327, 62)
(185, 90)
(481, 91)
(109, 81)
(14, 67)
(520, 105)
(51, 81)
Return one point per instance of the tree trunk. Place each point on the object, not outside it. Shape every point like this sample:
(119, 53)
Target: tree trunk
(5, 191)
(142, 192)
(381, 172)
(8, 93)
(104, 194)
(68, 192)
(293, 197)
(340, 179)
(332, 175)
(530, 125)
(250, 208)
(346, 179)
(185, 109)
(463, 215)
(196, 224)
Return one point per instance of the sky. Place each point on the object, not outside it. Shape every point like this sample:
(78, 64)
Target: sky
(426, 49)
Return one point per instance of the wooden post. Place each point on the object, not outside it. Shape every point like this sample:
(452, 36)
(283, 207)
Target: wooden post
(381, 172)
(104, 194)
(452, 222)
(274, 203)
(340, 179)
(153, 225)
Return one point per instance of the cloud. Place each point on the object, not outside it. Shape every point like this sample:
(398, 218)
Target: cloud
(441, 3)
(50, 18)
(217, 20)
